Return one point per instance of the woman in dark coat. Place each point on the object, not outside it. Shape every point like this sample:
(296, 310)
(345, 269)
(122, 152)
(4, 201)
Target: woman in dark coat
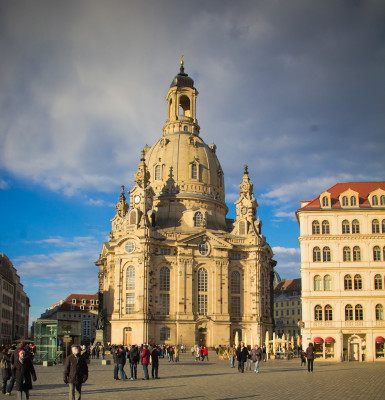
(5, 367)
(310, 357)
(24, 373)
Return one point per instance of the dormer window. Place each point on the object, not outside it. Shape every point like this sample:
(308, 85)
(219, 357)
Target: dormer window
(82, 307)
(325, 202)
(345, 202)
(382, 200)
(73, 301)
(353, 201)
(84, 301)
(374, 200)
(92, 301)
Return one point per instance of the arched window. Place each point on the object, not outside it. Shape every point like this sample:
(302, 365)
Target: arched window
(348, 312)
(356, 253)
(133, 217)
(325, 228)
(315, 228)
(194, 171)
(317, 283)
(242, 227)
(348, 283)
(198, 218)
(357, 282)
(326, 254)
(164, 279)
(374, 200)
(347, 255)
(318, 313)
(379, 312)
(382, 200)
(375, 226)
(316, 254)
(355, 226)
(202, 291)
(158, 175)
(328, 313)
(345, 227)
(359, 313)
(235, 284)
(378, 282)
(325, 202)
(327, 282)
(383, 226)
(376, 253)
(130, 278)
(353, 201)
(203, 248)
(345, 201)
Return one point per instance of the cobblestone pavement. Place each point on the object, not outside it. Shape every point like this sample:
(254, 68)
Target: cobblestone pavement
(278, 379)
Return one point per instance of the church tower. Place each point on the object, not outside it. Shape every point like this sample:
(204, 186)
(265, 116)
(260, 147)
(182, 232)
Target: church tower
(175, 269)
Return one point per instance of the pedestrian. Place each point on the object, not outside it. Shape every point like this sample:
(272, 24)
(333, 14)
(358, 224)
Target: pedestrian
(5, 364)
(13, 358)
(205, 353)
(264, 354)
(197, 353)
(134, 361)
(103, 351)
(233, 355)
(75, 372)
(201, 353)
(177, 351)
(310, 357)
(242, 355)
(155, 362)
(145, 357)
(121, 360)
(303, 358)
(256, 356)
(170, 352)
(97, 349)
(192, 350)
(24, 373)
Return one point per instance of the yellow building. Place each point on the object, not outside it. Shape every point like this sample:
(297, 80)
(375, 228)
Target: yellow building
(342, 239)
(175, 270)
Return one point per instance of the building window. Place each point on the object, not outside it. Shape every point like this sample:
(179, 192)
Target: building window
(203, 248)
(315, 228)
(345, 227)
(235, 256)
(82, 307)
(242, 227)
(353, 201)
(378, 282)
(376, 253)
(357, 282)
(164, 279)
(327, 282)
(164, 333)
(355, 226)
(317, 283)
(325, 228)
(345, 202)
(235, 284)
(198, 218)
(328, 313)
(158, 175)
(356, 253)
(165, 251)
(164, 303)
(326, 254)
(382, 200)
(379, 312)
(73, 301)
(84, 301)
(316, 254)
(318, 313)
(347, 254)
(130, 303)
(194, 171)
(348, 283)
(374, 200)
(202, 280)
(130, 278)
(348, 312)
(325, 202)
(236, 306)
(359, 313)
(130, 246)
(375, 226)
(202, 304)
(383, 226)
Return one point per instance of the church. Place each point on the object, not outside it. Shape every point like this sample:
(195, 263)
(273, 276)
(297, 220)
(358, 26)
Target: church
(175, 269)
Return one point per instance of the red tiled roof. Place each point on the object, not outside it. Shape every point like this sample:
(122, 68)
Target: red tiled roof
(66, 306)
(288, 286)
(362, 188)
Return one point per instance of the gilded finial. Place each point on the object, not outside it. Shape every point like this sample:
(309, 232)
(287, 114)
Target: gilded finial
(181, 61)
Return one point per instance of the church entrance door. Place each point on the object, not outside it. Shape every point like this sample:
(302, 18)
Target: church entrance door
(202, 339)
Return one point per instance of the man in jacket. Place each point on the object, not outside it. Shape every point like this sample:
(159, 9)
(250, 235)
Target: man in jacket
(155, 362)
(121, 358)
(134, 361)
(75, 372)
(242, 355)
(145, 356)
(256, 356)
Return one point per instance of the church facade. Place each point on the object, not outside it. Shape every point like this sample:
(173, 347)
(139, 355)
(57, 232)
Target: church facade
(174, 269)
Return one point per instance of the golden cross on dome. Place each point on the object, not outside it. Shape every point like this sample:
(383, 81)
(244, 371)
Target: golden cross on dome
(181, 61)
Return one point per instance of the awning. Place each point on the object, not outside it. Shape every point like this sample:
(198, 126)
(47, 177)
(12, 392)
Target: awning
(380, 339)
(318, 340)
(329, 340)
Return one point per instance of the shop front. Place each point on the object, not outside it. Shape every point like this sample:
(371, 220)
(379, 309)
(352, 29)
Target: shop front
(379, 347)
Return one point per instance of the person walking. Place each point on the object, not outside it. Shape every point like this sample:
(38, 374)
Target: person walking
(233, 355)
(177, 351)
(24, 373)
(205, 353)
(242, 355)
(303, 358)
(145, 357)
(155, 362)
(13, 358)
(256, 356)
(121, 359)
(134, 361)
(192, 350)
(75, 372)
(310, 357)
(115, 356)
(5, 363)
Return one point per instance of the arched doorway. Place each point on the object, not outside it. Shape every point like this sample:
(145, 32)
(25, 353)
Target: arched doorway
(355, 348)
(202, 336)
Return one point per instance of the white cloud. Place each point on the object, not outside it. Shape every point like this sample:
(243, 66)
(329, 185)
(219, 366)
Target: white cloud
(288, 261)
(3, 184)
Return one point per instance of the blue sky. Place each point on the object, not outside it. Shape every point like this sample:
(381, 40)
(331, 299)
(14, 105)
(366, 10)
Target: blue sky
(295, 89)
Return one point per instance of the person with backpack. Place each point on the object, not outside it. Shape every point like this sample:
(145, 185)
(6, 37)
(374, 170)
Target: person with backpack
(5, 364)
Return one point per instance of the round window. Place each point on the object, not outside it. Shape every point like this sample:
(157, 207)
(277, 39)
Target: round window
(130, 246)
(203, 248)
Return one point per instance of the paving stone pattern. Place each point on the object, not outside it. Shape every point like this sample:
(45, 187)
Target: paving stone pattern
(278, 379)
